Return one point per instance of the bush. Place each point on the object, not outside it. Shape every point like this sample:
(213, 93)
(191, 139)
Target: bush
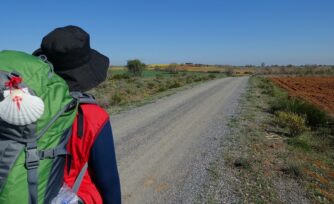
(174, 84)
(314, 116)
(205, 78)
(196, 78)
(135, 67)
(150, 85)
(189, 79)
(121, 76)
(116, 99)
(162, 88)
(293, 168)
(294, 123)
(212, 76)
(267, 87)
(139, 83)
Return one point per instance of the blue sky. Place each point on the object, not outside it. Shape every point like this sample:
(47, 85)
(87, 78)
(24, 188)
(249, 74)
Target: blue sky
(234, 32)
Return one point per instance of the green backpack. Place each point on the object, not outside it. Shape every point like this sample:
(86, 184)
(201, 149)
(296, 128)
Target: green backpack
(32, 156)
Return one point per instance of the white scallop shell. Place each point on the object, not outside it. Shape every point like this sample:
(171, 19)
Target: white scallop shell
(26, 111)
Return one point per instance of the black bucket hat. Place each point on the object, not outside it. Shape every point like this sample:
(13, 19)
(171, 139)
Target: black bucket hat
(68, 49)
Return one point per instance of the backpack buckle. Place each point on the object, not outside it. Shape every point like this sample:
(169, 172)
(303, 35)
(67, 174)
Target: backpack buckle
(32, 158)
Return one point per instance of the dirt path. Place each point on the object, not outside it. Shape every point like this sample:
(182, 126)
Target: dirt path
(163, 148)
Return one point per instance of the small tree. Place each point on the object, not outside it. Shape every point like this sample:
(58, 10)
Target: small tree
(135, 67)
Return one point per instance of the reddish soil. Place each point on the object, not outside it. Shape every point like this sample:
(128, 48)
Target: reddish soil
(317, 90)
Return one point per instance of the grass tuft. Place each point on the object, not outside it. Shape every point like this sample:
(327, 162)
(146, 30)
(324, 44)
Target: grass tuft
(294, 123)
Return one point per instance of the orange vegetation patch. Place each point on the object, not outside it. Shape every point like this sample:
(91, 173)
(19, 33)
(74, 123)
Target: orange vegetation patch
(317, 90)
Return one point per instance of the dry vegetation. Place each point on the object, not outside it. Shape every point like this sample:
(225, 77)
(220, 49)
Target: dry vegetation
(122, 90)
(282, 148)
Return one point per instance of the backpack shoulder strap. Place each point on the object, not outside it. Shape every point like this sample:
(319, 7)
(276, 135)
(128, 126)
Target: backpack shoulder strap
(79, 178)
(83, 98)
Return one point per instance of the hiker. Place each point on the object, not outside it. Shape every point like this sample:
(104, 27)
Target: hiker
(91, 142)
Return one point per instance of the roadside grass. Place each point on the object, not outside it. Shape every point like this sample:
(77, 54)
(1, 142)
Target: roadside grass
(146, 73)
(269, 159)
(309, 141)
(122, 91)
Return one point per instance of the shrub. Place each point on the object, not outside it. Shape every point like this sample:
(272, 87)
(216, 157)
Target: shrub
(196, 78)
(116, 99)
(135, 67)
(294, 123)
(139, 83)
(212, 76)
(128, 91)
(121, 76)
(301, 143)
(162, 88)
(131, 80)
(150, 85)
(242, 162)
(174, 84)
(293, 168)
(189, 79)
(314, 116)
(267, 87)
(205, 78)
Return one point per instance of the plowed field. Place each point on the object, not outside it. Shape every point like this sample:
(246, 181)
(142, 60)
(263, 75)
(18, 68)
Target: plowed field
(317, 90)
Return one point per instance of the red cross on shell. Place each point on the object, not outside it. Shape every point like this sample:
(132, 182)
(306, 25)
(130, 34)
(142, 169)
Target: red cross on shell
(17, 100)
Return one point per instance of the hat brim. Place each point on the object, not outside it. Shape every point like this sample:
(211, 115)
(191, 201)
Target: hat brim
(87, 76)
(38, 52)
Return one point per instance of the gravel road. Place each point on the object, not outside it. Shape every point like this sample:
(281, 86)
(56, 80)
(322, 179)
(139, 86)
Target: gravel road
(164, 148)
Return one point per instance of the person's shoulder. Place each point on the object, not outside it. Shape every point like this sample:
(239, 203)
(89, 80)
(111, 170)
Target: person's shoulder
(94, 112)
